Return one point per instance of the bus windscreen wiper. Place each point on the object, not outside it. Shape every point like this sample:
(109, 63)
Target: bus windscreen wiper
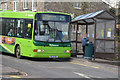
(49, 37)
(57, 35)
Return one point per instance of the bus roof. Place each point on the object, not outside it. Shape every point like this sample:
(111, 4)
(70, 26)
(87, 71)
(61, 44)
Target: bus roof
(23, 14)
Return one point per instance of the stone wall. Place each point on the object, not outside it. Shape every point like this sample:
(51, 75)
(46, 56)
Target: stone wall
(67, 7)
(40, 6)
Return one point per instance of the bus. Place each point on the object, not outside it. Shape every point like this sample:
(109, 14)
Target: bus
(35, 34)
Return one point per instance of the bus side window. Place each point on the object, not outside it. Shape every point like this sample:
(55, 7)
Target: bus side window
(28, 28)
(19, 28)
(10, 27)
(4, 32)
(0, 26)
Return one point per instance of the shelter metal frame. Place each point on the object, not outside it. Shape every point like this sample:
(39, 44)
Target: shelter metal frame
(94, 17)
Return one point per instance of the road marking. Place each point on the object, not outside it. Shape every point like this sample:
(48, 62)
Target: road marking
(15, 76)
(27, 62)
(95, 76)
(83, 75)
(85, 65)
(24, 73)
(19, 76)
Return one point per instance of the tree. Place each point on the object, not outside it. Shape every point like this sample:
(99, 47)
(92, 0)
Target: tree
(112, 10)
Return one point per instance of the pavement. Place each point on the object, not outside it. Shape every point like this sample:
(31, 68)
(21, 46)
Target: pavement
(8, 72)
(75, 68)
(98, 60)
(97, 63)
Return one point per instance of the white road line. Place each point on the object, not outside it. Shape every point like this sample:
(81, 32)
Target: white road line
(95, 77)
(80, 74)
(83, 75)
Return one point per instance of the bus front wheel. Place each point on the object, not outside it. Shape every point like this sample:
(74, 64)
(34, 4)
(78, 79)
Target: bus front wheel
(18, 54)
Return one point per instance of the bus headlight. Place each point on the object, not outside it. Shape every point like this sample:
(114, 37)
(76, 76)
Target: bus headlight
(67, 51)
(39, 50)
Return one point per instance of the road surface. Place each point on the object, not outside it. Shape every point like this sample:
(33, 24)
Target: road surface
(45, 68)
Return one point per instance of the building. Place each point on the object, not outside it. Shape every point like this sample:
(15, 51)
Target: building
(75, 8)
(119, 13)
(119, 20)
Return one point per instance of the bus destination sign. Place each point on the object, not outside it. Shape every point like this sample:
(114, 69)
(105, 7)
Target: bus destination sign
(53, 17)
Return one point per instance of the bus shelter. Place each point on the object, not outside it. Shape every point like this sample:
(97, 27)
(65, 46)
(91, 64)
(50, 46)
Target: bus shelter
(100, 27)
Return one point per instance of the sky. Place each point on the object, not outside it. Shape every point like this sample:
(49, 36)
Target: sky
(112, 2)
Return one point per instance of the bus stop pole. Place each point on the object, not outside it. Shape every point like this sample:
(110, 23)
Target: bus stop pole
(86, 28)
(76, 39)
(94, 40)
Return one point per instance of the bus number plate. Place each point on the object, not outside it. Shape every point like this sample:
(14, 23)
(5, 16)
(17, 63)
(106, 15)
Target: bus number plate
(53, 56)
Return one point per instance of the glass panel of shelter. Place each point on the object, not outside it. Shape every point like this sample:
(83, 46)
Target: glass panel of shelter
(91, 31)
(100, 34)
(109, 46)
(105, 36)
(80, 34)
(73, 38)
(110, 29)
(100, 46)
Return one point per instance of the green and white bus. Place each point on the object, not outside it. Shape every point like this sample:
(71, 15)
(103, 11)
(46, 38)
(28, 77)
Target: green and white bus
(35, 34)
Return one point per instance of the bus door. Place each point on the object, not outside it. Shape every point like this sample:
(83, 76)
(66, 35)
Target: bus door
(24, 31)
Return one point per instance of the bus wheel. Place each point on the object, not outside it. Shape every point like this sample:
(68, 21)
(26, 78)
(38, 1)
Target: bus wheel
(18, 55)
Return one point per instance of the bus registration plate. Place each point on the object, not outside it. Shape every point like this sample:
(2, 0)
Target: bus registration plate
(53, 56)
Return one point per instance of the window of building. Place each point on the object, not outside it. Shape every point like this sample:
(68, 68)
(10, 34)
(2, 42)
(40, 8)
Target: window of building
(34, 5)
(25, 4)
(77, 5)
(5, 6)
(14, 6)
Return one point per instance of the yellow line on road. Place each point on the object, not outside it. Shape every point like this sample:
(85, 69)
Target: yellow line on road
(27, 62)
(85, 65)
(24, 73)
(15, 76)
